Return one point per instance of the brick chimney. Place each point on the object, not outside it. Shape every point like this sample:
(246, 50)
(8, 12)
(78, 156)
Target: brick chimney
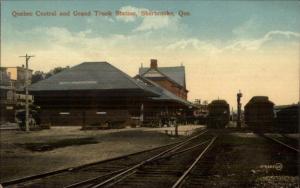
(153, 63)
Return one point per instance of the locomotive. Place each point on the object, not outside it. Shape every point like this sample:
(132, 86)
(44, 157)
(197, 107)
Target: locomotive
(259, 114)
(218, 114)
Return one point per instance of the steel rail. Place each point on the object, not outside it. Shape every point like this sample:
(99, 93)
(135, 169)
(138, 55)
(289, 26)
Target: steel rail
(185, 150)
(288, 137)
(180, 180)
(115, 178)
(94, 179)
(282, 143)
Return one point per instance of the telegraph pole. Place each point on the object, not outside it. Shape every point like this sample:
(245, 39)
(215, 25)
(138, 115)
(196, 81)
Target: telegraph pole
(27, 57)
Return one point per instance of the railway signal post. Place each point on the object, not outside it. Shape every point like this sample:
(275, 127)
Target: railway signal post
(239, 106)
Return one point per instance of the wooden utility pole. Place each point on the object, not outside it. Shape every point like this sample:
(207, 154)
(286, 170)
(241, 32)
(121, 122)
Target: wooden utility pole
(27, 57)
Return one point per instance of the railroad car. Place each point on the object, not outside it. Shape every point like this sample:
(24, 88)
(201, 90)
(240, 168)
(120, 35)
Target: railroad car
(259, 113)
(218, 114)
(287, 118)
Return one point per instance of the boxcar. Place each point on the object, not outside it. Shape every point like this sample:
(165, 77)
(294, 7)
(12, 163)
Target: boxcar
(259, 113)
(287, 119)
(218, 114)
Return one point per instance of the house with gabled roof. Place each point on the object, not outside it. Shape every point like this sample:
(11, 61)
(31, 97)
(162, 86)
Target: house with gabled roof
(171, 78)
(165, 108)
(170, 83)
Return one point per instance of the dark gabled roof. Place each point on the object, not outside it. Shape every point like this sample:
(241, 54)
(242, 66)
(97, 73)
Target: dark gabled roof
(177, 74)
(164, 93)
(218, 102)
(89, 76)
(259, 100)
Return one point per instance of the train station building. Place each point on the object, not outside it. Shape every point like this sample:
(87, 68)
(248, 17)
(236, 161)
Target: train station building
(87, 94)
(97, 93)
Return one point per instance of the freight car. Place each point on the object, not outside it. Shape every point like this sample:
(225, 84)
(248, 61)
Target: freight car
(218, 114)
(287, 118)
(259, 114)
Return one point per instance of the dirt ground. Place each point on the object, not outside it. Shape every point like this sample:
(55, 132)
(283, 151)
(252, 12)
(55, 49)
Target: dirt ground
(25, 154)
(247, 160)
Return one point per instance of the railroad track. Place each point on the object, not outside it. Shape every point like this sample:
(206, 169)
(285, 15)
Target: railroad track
(90, 174)
(282, 143)
(291, 139)
(166, 169)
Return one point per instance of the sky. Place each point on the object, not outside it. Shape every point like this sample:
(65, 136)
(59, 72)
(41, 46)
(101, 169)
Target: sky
(225, 46)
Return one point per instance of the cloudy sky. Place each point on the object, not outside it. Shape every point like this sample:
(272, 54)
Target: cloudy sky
(225, 46)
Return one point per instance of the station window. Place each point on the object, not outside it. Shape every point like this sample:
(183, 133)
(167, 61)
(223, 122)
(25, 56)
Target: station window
(101, 113)
(64, 113)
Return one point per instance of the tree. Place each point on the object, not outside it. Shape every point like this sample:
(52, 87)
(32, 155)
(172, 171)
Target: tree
(37, 76)
(40, 75)
(55, 71)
